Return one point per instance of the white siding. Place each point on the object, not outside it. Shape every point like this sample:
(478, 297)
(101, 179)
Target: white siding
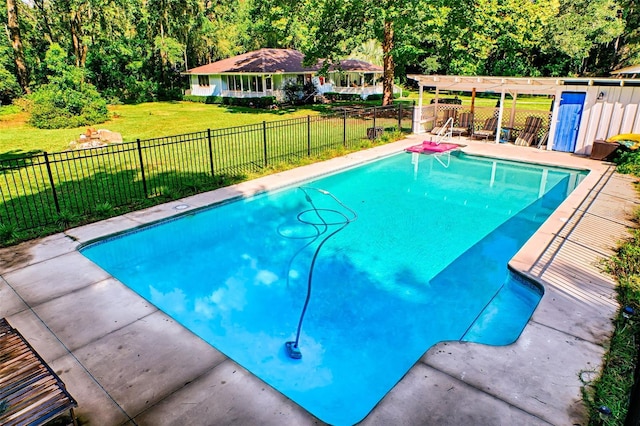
(209, 90)
(618, 112)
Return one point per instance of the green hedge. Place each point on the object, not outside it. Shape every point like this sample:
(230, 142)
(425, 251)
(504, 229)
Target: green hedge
(262, 102)
(332, 96)
(203, 99)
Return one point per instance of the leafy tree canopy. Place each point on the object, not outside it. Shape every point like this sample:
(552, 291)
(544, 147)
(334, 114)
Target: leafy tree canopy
(67, 100)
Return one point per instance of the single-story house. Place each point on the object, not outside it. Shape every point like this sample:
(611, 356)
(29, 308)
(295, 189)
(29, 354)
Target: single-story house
(264, 72)
(583, 110)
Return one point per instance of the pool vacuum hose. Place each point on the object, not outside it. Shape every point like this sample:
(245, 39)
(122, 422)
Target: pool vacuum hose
(321, 227)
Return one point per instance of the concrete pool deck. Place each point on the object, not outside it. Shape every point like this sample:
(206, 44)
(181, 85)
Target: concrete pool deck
(126, 362)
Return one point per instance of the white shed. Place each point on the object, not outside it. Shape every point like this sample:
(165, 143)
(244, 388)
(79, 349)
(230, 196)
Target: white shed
(584, 109)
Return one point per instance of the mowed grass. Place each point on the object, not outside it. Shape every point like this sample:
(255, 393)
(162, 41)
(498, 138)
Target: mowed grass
(523, 102)
(142, 121)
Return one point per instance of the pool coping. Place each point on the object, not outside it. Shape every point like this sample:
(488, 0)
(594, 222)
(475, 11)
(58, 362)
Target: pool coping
(536, 380)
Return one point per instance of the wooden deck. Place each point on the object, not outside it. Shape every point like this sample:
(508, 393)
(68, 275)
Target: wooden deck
(30, 392)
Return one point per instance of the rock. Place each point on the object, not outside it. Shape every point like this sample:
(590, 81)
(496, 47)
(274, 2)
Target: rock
(109, 136)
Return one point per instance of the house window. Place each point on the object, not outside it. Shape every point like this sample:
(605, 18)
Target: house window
(268, 83)
(233, 82)
(245, 83)
(203, 80)
(256, 83)
(368, 79)
(300, 79)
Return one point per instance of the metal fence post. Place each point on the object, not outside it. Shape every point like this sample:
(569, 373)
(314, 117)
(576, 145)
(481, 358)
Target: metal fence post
(308, 136)
(53, 186)
(375, 114)
(144, 179)
(344, 128)
(400, 117)
(210, 153)
(264, 141)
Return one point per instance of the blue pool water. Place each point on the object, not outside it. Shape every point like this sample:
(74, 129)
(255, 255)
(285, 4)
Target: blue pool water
(425, 261)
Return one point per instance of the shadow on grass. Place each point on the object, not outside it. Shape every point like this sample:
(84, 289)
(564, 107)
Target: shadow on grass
(18, 154)
(99, 196)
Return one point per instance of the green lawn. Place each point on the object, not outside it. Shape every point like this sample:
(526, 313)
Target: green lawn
(526, 102)
(141, 121)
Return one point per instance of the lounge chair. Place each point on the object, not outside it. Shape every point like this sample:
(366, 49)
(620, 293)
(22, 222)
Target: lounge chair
(465, 123)
(488, 130)
(529, 135)
(447, 114)
(30, 392)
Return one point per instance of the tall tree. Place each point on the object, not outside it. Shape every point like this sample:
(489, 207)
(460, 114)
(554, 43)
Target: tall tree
(627, 46)
(13, 27)
(343, 25)
(580, 27)
(279, 23)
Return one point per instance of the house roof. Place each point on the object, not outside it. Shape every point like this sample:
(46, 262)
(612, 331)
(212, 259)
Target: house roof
(276, 61)
(633, 70)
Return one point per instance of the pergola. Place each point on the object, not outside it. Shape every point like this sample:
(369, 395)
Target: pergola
(513, 86)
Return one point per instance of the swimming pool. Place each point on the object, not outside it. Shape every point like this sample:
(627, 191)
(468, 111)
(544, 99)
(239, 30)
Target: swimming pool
(424, 261)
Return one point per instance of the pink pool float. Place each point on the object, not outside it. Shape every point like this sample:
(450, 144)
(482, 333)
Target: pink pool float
(428, 147)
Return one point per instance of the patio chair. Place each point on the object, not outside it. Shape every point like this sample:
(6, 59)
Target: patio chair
(488, 130)
(529, 135)
(30, 392)
(447, 114)
(465, 123)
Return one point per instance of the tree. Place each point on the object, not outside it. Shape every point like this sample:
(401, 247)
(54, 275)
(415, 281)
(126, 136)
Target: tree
(13, 28)
(279, 23)
(67, 100)
(9, 87)
(626, 47)
(400, 26)
(580, 27)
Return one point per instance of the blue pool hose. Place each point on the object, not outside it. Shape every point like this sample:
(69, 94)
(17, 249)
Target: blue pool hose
(292, 349)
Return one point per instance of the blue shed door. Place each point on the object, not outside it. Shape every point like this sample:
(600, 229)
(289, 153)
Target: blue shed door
(569, 116)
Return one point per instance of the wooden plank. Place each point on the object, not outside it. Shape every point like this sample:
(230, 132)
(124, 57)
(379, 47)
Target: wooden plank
(33, 393)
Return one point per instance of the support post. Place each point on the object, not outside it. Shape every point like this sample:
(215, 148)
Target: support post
(500, 114)
(374, 120)
(264, 141)
(417, 117)
(344, 128)
(51, 182)
(144, 178)
(308, 136)
(213, 175)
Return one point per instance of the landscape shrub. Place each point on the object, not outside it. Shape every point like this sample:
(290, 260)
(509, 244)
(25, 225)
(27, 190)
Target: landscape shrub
(67, 100)
(203, 99)
(628, 162)
(260, 102)
(9, 87)
(332, 96)
(55, 107)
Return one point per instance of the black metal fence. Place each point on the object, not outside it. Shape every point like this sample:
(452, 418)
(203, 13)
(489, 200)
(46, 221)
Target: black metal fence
(41, 189)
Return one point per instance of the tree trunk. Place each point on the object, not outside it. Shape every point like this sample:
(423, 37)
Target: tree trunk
(16, 43)
(388, 65)
(79, 48)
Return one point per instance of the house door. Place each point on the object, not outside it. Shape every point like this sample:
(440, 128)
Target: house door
(569, 115)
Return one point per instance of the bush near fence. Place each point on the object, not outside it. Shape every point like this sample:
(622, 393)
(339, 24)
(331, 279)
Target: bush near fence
(60, 188)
